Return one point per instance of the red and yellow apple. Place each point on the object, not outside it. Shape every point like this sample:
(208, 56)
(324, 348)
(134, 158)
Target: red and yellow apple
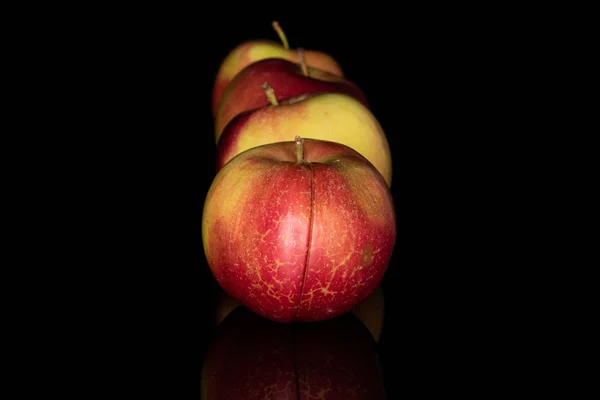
(333, 117)
(370, 312)
(300, 230)
(286, 78)
(254, 358)
(255, 50)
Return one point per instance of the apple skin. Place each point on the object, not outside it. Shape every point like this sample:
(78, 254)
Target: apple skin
(255, 50)
(334, 117)
(370, 312)
(254, 358)
(299, 241)
(286, 78)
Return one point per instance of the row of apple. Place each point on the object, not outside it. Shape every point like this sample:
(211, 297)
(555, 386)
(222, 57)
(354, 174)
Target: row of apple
(299, 221)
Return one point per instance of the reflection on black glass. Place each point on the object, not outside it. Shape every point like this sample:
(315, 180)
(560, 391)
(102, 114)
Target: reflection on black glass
(254, 358)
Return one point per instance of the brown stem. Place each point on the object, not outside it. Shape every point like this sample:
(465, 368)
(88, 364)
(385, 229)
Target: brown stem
(299, 150)
(281, 35)
(303, 62)
(270, 94)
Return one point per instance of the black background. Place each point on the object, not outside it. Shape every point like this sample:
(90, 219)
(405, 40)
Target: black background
(435, 78)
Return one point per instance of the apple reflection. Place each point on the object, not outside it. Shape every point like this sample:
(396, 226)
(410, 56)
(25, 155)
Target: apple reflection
(255, 358)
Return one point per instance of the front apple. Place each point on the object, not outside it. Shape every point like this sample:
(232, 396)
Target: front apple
(286, 78)
(301, 230)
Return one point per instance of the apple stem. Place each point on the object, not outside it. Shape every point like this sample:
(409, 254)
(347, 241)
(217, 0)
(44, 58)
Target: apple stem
(299, 150)
(281, 35)
(270, 94)
(302, 61)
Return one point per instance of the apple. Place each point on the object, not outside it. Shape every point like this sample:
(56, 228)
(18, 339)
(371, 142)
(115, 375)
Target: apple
(334, 117)
(370, 312)
(300, 230)
(255, 50)
(286, 78)
(225, 305)
(254, 358)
